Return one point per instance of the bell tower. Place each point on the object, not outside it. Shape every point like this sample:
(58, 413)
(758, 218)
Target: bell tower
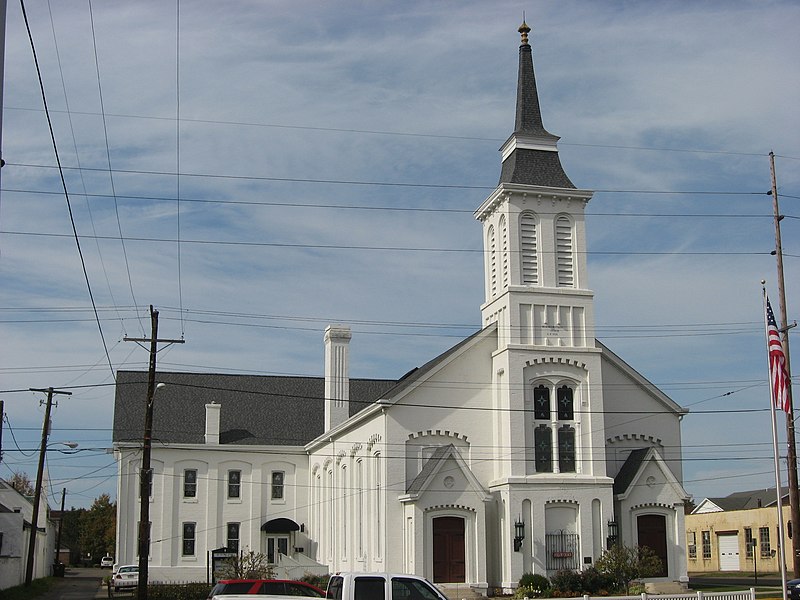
(547, 383)
(536, 287)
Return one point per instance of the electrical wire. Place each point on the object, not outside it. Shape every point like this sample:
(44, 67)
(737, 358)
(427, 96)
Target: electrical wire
(64, 183)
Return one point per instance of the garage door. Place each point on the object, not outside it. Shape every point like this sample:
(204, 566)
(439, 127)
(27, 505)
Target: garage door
(728, 545)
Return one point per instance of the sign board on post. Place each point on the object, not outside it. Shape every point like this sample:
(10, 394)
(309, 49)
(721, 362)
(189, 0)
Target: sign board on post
(218, 558)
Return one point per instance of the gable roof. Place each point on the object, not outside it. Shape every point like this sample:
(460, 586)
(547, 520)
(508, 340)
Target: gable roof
(256, 409)
(641, 380)
(416, 376)
(634, 466)
(745, 500)
(432, 467)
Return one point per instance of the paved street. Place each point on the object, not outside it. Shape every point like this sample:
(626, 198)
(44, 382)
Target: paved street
(78, 584)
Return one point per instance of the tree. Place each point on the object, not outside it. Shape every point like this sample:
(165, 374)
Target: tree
(247, 565)
(98, 528)
(22, 483)
(624, 564)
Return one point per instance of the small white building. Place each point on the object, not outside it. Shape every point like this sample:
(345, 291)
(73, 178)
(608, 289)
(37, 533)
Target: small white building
(16, 512)
(527, 447)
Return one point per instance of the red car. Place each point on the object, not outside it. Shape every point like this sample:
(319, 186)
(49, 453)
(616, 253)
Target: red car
(271, 587)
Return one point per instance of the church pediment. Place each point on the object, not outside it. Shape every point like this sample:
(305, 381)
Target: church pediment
(444, 472)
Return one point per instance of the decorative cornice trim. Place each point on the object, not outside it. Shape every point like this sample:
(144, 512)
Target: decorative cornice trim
(439, 432)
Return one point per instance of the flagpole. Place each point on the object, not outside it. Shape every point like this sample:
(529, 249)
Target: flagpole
(778, 495)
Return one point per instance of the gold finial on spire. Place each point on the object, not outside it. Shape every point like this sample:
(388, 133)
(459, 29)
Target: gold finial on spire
(524, 31)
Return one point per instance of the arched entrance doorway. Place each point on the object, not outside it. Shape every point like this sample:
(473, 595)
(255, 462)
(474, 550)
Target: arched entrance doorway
(652, 530)
(449, 564)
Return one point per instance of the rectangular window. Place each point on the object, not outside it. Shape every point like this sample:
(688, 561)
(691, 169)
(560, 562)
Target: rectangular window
(566, 450)
(277, 485)
(691, 541)
(234, 484)
(706, 544)
(188, 538)
(763, 541)
(748, 543)
(232, 543)
(370, 588)
(190, 483)
(543, 442)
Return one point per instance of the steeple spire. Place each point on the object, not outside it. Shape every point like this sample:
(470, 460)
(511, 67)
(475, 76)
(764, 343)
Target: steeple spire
(530, 155)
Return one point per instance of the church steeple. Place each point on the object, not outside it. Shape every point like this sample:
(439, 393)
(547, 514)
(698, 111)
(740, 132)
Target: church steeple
(530, 155)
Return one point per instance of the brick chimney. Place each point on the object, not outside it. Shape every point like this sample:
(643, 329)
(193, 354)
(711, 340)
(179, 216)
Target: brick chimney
(337, 376)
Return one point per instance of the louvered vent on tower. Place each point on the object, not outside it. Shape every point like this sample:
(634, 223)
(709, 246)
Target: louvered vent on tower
(564, 261)
(528, 247)
(492, 263)
(504, 250)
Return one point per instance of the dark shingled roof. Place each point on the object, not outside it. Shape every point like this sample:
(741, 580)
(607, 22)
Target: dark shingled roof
(535, 167)
(629, 470)
(526, 166)
(256, 409)
(749, 499)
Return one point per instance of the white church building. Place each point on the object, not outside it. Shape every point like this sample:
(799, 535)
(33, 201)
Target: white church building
(521, 449)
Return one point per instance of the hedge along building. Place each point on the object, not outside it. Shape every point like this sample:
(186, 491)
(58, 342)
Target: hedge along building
(511, 452)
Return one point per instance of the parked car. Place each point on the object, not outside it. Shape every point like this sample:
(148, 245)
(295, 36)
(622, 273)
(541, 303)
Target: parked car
(126, 576)
(107, 561)
(384, 586)
(793, 589)
(264, 587)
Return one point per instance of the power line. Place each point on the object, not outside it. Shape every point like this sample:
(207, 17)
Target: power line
(408, 133)
(413, 209)
(307, 246)
(63, 181)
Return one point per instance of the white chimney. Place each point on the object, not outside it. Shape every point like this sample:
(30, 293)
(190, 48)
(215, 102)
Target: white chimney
(337, 376)
(212, 422)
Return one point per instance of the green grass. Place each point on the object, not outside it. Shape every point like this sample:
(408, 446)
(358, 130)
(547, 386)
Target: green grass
(27, 592)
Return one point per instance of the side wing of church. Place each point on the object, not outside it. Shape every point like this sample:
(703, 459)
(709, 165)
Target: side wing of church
(528, 447)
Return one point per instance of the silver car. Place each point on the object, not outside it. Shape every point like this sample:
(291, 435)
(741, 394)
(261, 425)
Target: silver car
(127, 576)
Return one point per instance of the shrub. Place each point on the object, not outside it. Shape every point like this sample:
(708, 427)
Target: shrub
(567, 583)
(178, 591)
(596, 583)
(532, 585)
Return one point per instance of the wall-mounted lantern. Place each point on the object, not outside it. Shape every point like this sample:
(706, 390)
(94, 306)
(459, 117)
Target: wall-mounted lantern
(613, 534)
(519, 533)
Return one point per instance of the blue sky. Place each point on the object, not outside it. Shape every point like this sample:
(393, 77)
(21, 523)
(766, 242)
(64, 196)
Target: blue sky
(331, 155)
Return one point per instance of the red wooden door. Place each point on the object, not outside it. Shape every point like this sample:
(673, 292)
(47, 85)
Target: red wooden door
(449, 562)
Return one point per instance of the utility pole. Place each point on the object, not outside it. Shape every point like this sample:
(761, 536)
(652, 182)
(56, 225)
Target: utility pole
(791, 451)
(37, 495)
(145, 473)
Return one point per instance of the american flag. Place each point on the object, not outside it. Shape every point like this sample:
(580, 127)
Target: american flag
(778, 377)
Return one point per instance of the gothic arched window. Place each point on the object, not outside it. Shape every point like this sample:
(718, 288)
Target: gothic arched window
(566, 449)
(564, 399)
(541, 403)
(543, 449)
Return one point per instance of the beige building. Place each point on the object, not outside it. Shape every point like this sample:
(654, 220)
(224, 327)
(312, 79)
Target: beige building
(739, 532)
